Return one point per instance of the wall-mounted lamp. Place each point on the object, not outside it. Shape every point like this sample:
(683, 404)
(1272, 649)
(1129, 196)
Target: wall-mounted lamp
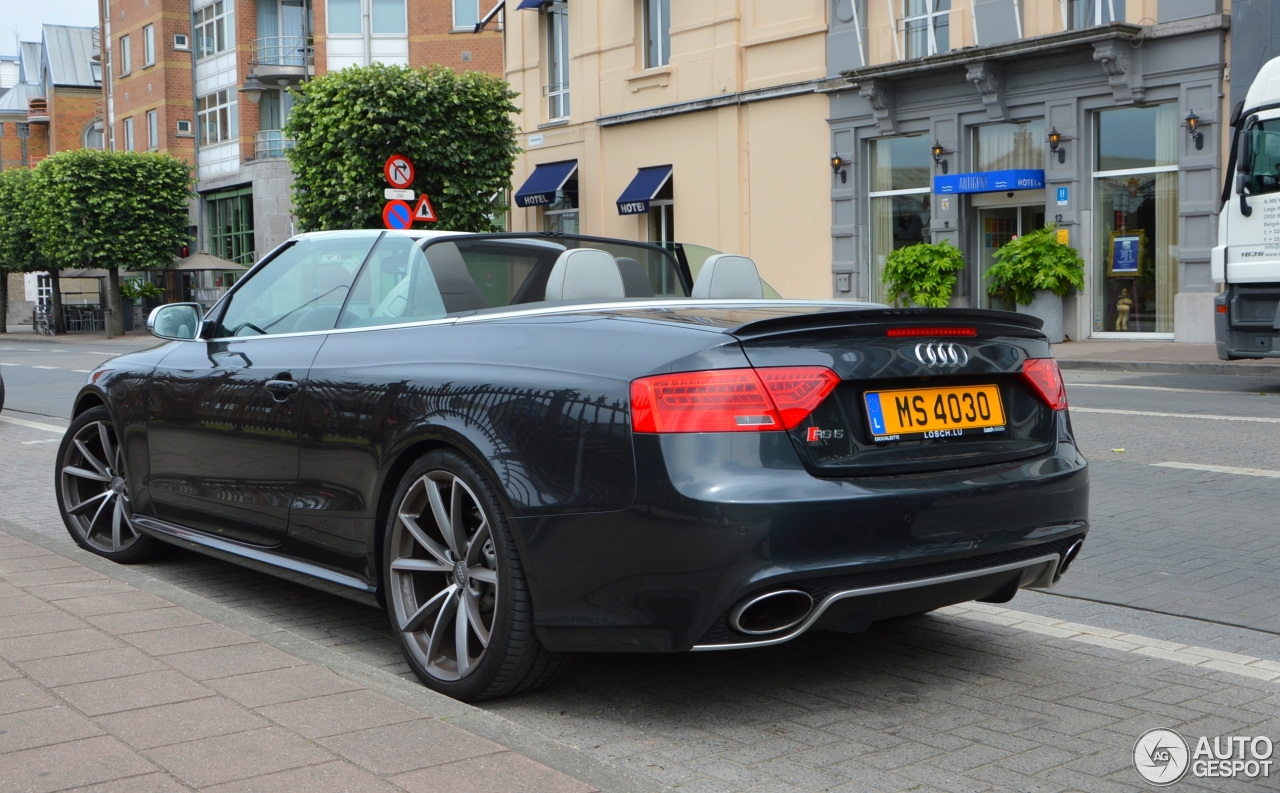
(837, 167)
(938, 151)
(1055, 144)
(1193, 126)
(253, 88)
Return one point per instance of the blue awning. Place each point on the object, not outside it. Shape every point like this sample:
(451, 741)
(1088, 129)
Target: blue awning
(990, 181)
(646, 184)
(534, 4)
(541, 186)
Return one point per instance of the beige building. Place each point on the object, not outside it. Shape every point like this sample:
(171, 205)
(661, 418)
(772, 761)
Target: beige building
(693, 121)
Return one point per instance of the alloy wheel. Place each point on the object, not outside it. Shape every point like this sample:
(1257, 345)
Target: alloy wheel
(444, 575)
(95, 490)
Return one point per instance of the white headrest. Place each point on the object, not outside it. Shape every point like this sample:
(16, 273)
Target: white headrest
(730, 276)
(585, 274)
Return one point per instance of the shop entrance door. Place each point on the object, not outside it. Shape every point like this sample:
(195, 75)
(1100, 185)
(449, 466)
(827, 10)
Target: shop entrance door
(997, 226)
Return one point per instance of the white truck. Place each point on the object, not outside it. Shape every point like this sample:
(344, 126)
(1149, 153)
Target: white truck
(1247, 257)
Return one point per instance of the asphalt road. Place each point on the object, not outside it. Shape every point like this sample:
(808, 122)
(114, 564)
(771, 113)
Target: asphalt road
(1183, 549)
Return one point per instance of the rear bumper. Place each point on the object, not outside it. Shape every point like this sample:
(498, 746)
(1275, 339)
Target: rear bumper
(720, 518)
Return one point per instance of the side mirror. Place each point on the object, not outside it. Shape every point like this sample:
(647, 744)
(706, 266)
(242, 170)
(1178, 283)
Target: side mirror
(175, 321)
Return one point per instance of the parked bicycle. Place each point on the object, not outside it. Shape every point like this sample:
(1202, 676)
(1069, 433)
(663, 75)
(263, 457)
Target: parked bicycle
(43, 321)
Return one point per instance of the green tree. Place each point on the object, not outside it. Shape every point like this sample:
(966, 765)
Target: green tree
(925, 273)
(111, 210)
(456, 127)
(18, 251)
(1033, 262)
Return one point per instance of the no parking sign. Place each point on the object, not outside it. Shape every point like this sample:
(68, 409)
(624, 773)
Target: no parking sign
(397, 215)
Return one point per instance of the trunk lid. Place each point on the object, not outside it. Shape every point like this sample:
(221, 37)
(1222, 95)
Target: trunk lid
(840, 437)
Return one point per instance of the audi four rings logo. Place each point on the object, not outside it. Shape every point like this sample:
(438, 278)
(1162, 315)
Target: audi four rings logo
(941, 353)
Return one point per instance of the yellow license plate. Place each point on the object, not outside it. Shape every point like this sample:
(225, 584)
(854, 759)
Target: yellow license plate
(934, 412)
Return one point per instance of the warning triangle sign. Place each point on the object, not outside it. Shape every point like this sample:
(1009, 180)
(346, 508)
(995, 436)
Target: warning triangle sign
(423, 212)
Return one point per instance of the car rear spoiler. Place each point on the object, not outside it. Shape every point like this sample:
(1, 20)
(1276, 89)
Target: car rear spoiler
(884, 316)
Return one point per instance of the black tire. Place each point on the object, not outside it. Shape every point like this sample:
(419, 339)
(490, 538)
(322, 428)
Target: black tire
(513, 660)
(93, 494)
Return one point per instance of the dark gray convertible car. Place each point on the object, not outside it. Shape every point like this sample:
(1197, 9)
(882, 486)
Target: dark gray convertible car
(524, 446)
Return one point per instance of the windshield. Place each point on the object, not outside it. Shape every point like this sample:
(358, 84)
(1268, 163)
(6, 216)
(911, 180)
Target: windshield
(1262, 170)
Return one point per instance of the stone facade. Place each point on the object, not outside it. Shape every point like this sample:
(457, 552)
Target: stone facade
(1064, 78)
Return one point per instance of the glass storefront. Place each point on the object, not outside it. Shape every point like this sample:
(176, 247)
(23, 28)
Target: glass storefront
(900, 201)
(998, 226)
(1136, 216)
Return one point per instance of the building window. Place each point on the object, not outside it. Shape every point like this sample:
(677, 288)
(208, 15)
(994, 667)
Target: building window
(662, 215)
(900, 201)
(153, 130)
(466, 14)
(926, 27)
(230, 229)
(93, 137)
(389, 17)
(344, 17)
(216, 118)
(561, 215)
(1001, 147)
(149, 45)
(657, 33)
(95, 69)
(215, 28)
(557, 89)
(125, 60)
(128, 134)
(1078, 14)
(1135, 185)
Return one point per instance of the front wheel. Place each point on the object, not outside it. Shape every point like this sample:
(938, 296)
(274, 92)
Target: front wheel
(93, 491)
(455, 589)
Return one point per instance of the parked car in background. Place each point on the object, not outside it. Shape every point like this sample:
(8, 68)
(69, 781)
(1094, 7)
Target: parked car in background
(528, 445)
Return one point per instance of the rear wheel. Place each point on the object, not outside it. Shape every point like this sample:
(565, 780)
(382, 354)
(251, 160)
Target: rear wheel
(455, 590)
(93, 491)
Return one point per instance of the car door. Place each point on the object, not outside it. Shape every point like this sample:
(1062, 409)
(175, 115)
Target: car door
(223, 413)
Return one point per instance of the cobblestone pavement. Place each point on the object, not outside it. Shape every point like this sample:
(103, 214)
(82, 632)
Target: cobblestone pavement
(1173, 588)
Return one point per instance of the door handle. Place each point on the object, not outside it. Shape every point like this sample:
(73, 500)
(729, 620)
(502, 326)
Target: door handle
(282, 388)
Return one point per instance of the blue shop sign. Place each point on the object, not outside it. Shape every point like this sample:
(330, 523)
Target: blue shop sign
(990, 181)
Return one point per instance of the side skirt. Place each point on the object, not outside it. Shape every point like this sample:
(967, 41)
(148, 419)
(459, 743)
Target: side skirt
(263, 561)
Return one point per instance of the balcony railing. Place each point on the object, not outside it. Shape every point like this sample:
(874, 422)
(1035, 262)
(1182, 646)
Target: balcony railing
(270, 143)
(38, 110)
(281, 57)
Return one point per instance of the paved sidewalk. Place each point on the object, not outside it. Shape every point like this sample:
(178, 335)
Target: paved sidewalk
(1157, 356)
(106, 687)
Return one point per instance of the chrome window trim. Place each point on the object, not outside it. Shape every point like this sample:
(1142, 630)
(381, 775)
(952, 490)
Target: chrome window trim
(1049, 559)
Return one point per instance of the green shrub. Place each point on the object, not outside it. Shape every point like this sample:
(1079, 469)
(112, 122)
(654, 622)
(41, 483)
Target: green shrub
(924, 273)
(135, 289)
(1033, 262)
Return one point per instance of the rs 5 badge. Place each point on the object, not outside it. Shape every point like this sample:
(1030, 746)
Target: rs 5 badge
(817, 435)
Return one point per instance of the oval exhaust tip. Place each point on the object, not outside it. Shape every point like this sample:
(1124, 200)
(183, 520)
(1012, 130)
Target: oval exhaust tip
(1070, 556)
(771, 612)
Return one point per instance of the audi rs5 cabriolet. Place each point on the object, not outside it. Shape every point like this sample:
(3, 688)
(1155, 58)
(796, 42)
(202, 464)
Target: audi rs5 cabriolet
(525, 445)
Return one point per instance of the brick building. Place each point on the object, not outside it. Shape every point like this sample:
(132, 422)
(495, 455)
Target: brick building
(55, 103)
(181, 68)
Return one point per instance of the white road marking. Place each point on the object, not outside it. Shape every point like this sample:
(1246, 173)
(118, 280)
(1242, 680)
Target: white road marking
(1259, 419)
(1203, 657)
(1161, 388)
(10, 364)
(46, 440)
(45, 367)
(1222, 469)
(82, 371)
(35, 425)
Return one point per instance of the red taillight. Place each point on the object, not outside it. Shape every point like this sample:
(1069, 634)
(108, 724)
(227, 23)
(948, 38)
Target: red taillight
(1045, 377)
(940, 331)
(729, 400)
